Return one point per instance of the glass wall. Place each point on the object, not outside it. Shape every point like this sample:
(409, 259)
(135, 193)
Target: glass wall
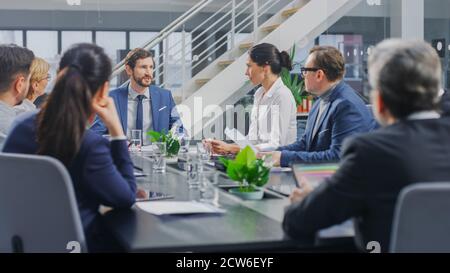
(11, 37)
(437, 32)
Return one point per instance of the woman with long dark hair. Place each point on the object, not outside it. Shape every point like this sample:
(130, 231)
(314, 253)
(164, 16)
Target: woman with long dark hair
(101, 170)
(273, 120)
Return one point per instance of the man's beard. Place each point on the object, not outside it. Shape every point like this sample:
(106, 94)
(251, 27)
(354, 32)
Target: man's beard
(140, 81)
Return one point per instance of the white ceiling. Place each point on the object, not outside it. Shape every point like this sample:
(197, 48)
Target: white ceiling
(104, 5)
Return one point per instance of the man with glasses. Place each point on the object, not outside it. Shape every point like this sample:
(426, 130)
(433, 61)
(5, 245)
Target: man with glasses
(15, 65)
(338, 112)
(412, 147)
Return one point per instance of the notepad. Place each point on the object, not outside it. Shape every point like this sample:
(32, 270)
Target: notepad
(178, 207)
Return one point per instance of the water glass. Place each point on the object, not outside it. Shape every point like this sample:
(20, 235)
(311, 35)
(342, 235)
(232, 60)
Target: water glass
(209, 193)
(203, 152)
(136, 140)
(184, 144)
(192, 168)
(159, 162)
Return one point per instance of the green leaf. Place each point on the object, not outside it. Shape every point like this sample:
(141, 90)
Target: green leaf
(247, 167)
(154, 136)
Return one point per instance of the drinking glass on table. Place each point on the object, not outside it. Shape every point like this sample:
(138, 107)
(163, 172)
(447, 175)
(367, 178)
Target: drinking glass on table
(159, 151)
(209, 193)
(192, 167)
(136, 140)
(203, 154)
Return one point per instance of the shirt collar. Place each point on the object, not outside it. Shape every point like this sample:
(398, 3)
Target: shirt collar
(132, 94)
(272, 89)
(326, 96)
(424, 115)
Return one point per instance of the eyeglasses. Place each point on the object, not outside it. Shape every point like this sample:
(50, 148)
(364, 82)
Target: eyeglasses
(303, 70)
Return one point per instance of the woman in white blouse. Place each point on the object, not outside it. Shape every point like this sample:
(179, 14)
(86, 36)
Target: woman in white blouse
(273, 120)
(38, 82)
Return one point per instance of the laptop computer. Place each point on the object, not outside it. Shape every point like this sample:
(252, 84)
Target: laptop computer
(314, 173)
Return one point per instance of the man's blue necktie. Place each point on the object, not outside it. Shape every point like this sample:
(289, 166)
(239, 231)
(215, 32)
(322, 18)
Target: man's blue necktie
(139, 113)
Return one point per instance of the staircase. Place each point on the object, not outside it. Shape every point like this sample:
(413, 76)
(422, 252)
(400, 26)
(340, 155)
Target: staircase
(221, 86)
(221, 79)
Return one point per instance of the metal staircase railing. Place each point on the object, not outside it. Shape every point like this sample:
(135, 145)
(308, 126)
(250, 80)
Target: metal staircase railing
(202, 34)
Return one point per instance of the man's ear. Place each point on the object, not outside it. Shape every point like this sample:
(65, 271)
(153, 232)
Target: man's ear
(20, 83)
(320, 75)
(380, 103)
(129, 70)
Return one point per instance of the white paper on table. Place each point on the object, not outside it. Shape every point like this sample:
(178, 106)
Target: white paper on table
(147, 148)
(280, 169)
(239, 139)
(177, 207)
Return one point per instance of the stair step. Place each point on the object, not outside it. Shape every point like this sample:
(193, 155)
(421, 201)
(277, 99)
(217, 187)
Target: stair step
(270, 28)
(245, 45)
(289, 12)
(225, 63)
(201, 81)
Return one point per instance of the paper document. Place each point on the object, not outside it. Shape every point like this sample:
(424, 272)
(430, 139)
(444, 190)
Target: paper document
(177, 207)
(280, 170)
(147, 148)
(239, 139)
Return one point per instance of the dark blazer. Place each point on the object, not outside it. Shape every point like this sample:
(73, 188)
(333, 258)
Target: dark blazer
(102, 171)
(164, 113)
(375, 167)
(345, 115)
(445, 103)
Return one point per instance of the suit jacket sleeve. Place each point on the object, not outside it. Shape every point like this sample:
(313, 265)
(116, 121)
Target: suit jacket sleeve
(299, 145)
(98, 126)
(335, 200)
(347, 121)
(108, 174)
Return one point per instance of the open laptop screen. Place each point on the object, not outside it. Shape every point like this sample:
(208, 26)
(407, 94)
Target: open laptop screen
(314, 173)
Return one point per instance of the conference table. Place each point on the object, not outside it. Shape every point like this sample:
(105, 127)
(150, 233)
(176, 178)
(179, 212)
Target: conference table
(245, 226)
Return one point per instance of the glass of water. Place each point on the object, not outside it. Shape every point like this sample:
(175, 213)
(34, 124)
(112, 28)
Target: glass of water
(203, 152)
(192, 167)
(209, 193)
(136, 140)
(159, 161)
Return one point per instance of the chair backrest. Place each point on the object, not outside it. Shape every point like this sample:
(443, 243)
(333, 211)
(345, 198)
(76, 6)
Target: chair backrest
(2, 140)
(38, 209)
(422, 219)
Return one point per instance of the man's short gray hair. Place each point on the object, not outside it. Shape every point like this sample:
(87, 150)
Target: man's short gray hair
(407, 74)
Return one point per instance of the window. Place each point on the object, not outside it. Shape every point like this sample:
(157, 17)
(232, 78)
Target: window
(43, 43)
(68, 38)
(11, 37)
(111, 41)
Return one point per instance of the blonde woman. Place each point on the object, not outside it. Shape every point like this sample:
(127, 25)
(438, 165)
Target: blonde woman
(38, 82)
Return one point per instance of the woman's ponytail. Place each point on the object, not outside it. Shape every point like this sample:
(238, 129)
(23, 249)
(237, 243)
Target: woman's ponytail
(285, 60)
(62, 121)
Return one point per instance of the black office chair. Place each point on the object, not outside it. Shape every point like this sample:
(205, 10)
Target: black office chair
(422, 219)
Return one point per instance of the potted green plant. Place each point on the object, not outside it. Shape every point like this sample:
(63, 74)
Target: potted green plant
(172, 142)
(251, 173)
(296, 85)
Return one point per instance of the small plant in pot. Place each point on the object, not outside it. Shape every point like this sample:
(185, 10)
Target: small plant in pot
(251, 173)
(172, 142)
